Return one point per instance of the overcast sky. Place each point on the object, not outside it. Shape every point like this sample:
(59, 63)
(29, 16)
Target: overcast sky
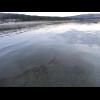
(54, 13)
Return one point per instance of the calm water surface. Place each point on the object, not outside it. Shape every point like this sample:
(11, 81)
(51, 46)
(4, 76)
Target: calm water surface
(54, 55)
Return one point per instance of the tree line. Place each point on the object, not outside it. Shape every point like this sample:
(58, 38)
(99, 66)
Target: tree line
(23, 17)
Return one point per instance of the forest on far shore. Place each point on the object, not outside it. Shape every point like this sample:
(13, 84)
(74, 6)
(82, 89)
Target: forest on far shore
(22, 17)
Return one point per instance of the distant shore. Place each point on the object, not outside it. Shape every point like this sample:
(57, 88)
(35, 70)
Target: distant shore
(19, 25)
(32, 24)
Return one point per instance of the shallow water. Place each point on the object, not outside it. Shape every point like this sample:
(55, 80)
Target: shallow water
(54, 55)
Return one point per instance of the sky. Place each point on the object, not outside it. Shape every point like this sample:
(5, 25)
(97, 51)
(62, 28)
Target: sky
(61, 14)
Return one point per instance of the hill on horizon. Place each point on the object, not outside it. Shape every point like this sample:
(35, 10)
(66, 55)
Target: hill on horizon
(23, 17)
(86, 16)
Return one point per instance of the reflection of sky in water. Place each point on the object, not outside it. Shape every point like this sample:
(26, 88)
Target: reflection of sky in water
(83, 37)
(89, 28)
(70, 44)
(75, 36)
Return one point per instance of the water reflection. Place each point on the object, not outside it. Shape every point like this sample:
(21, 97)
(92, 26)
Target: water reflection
(81, 37)
(55, 55)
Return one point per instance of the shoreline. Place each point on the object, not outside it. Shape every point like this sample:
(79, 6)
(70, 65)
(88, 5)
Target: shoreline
(32, 24)
(28, 24)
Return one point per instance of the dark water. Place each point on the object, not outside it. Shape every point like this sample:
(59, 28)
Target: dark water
(55, 55)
